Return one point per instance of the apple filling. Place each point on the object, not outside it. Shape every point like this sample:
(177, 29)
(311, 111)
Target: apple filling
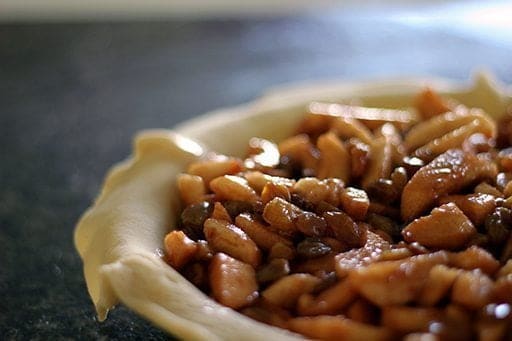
(368, 224)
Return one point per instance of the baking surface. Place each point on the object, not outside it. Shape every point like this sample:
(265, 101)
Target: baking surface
(73, 95)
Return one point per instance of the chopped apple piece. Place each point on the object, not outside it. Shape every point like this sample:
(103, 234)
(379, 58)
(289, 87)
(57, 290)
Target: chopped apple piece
(312, 190)
(430, 104)
(446, 174)
(473, 258)
(286, 291)
(475, 206)
(281, 214)
(356, 258)
(395, 282)
(338, 328)
(220, 212)
(192, 188)
(456, 138)
(225, 237)
(259, 233)
(472, 289)
(233, 282)
(439, 282)
(230, 187)
(272, 190)
(179, 249)
(355, 202)
(445, 228)
(215, 166)
(405, 319)
(330, 301)
(334, 158)
(300, 149)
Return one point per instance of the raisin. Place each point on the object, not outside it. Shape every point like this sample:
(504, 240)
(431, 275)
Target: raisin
(498, 225)
(235, 207)
(385, 224)
(197, 274)
(299, 201)
(345, 229)
(312, 248)
(504, 138)
(290, 166)
(274, 270)
(311, 224)
(324, 206)
(383, 190)
(193, 217)
(399, 178)
(359, 157)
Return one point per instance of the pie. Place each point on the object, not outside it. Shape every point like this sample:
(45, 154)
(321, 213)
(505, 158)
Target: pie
(120, 237)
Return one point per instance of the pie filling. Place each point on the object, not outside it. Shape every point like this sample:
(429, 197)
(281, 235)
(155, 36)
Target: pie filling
(368, 224)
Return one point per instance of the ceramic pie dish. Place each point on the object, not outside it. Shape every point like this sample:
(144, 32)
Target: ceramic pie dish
(119, 238)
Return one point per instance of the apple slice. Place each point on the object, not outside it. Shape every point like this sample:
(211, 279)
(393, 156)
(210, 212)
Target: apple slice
(446, 174)
(233, 282)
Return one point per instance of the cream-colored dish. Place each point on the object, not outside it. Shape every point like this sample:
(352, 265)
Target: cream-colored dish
(120, 236)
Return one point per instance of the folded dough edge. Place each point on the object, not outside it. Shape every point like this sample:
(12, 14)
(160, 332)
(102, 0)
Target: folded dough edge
(120, 239)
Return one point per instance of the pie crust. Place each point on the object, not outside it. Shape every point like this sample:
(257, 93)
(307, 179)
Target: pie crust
(120, 237)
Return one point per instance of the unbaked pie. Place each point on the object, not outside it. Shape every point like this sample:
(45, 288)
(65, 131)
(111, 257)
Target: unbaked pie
(372, 221)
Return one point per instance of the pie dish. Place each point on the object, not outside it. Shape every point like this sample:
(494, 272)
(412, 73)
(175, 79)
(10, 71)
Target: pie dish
(120, 237)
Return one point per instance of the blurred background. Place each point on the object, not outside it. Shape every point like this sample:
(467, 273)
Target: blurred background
(78, 79)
